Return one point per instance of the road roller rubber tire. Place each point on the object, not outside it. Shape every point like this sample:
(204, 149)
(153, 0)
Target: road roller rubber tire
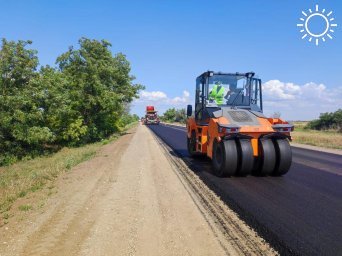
(246, 158)
(267, 158)
(225, 158)
(284, 156)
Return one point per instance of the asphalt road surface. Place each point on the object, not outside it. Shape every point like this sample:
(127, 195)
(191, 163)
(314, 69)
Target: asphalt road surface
(299, 213)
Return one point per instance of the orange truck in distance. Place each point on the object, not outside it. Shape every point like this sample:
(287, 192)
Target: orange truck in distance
(151, 116)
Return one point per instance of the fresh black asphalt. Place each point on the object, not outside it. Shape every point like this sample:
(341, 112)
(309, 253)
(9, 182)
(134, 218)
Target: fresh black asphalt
(299, 213)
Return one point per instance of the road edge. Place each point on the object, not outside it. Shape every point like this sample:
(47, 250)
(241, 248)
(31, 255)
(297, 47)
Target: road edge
(316, 148)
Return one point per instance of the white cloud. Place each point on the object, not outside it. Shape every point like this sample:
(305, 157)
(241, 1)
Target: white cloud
(152, 96)
(161, 98)
(300, 102)
(181, 100)
(280, 90)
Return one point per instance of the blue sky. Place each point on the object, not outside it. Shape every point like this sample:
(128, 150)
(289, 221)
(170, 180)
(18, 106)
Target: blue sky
(169, 43)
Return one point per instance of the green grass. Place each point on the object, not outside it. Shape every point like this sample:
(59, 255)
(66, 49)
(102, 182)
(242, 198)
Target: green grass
(318, 138)
(129, 126)
(22, 194)
(299, 125)
(25, 207)
(25, 177)
(327, 139)
(29, 176)
(6, 215)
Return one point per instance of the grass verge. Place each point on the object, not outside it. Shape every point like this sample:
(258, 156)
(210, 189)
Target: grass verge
(24, 177)
(318, 138)
(326, 139)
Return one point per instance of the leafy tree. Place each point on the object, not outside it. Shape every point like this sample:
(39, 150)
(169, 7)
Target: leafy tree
(174, 115)
(180, 115)
(126, 117)
(169, 115)
(100, 85)
(85, 99)
(21, 128)
(53, 95)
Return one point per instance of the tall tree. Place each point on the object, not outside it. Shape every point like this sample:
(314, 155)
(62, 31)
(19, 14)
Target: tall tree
(100, 85)
(20, 116)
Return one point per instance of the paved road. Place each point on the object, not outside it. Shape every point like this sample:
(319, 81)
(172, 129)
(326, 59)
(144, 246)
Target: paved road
(299, 213)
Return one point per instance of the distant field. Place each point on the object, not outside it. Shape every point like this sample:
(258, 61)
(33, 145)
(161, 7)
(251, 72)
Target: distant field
(300, 124)
(327, 139)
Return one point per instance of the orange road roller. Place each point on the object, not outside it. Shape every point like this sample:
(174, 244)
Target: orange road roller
(228, 126)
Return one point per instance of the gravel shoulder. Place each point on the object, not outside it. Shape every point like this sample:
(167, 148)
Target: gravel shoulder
(133, 198)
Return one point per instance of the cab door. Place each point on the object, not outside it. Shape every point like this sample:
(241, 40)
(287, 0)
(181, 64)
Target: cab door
(256, 95)
(200, 99)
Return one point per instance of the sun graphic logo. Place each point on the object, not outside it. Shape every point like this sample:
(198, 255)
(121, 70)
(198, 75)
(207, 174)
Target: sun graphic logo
(325, 21)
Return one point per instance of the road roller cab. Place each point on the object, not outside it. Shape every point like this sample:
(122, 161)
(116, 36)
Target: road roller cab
(228, 125)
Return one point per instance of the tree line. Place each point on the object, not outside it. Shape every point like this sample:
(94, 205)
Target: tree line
(174, 115)
(83, 99)
(327, 121)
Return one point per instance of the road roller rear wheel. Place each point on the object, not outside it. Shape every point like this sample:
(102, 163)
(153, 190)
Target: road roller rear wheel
(284, 156)
(225, 158)
(246, 158)
(267, 158)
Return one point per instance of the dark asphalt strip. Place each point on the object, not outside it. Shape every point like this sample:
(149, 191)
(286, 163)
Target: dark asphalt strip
(299, 213)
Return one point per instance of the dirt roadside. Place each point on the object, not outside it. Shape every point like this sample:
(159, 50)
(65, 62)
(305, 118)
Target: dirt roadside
(131, 199)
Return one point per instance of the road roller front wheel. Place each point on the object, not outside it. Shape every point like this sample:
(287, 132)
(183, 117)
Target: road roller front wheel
(225, 158)
(246, 158)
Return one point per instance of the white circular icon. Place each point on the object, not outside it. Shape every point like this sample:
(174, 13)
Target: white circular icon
(325, 19)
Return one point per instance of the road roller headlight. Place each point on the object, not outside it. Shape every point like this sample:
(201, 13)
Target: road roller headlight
(283, 127)
(228, 129)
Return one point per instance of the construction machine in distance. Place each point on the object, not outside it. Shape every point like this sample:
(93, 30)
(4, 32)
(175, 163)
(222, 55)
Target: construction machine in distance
(234, 133)
(151, 116)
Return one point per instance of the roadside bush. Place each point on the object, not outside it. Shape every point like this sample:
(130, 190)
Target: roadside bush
(169, 115)
(327, 121)
(128, 118)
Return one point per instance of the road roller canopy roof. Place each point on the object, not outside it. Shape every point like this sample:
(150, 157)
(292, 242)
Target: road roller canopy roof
(240, 90)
